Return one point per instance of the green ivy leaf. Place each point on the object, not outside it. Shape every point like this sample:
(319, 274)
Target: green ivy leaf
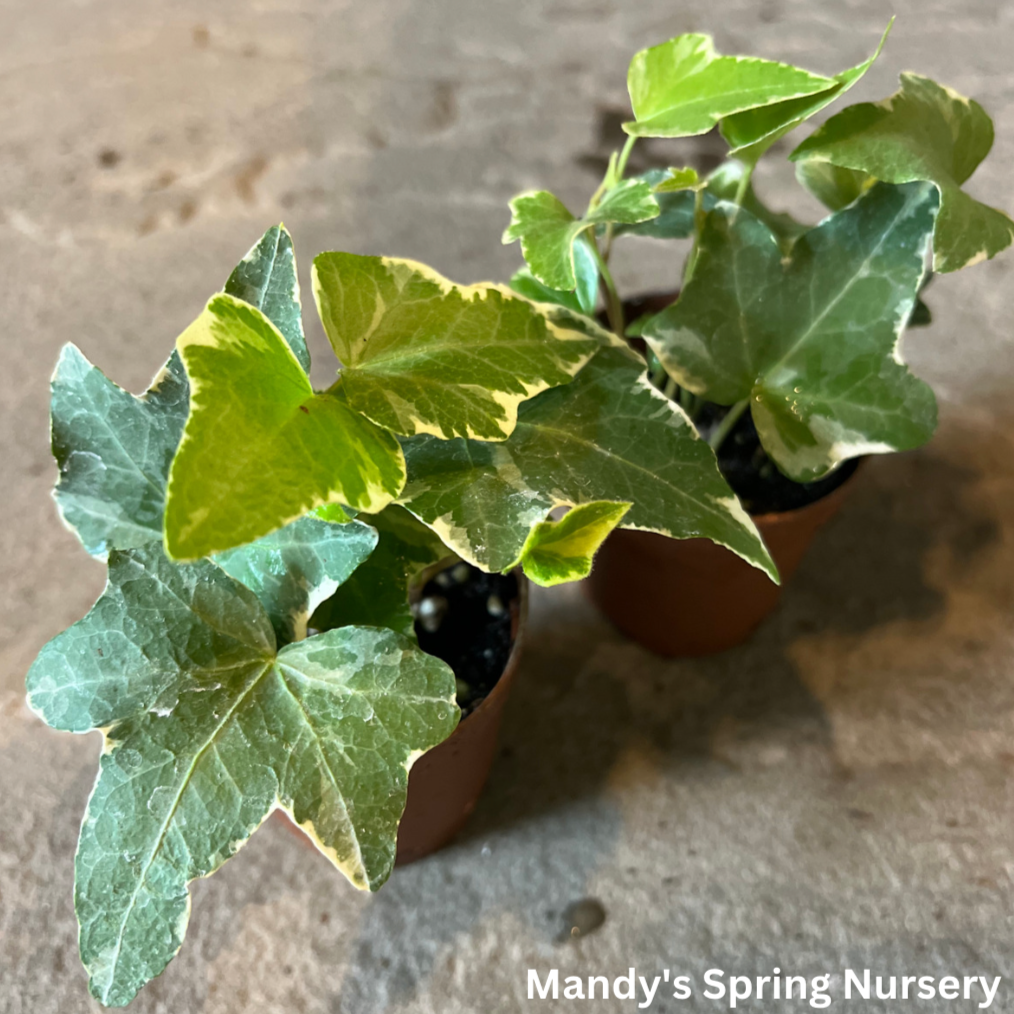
(723, 184)
(922, 132)
(548, 232)
(377, 593)
(583, 299)
(683, 87)
(677, 180)
(209, 731)
(422, 355)
(285, 450)
(751, 132)
(675, 218)
(811, 339)
(608, 435)
(113, 450)
(293, 570)
(267, 278)
(833, 186)
(559, 551)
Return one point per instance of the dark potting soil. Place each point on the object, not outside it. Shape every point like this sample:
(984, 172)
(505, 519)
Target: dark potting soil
(753, 476)
(464, 618)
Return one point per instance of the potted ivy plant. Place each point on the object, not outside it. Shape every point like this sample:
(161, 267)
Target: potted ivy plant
(783, 346)
(284, 565)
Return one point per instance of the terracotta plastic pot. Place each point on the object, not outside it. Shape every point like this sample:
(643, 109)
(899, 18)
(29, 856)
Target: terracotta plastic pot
(691, 597)
(444, 784)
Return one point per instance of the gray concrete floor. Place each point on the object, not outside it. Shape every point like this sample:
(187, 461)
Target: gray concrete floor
(835, 794)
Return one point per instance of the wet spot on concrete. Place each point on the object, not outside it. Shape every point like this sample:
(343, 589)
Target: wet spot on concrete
(247, 176)
(581, 918)
(443, 109)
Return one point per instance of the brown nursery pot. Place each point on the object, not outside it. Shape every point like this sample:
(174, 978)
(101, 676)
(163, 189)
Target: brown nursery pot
(445, 783)
(688, 597)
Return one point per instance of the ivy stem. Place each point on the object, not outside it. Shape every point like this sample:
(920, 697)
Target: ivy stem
(614, 307)
(621, 165)
(670, 388)
(688, 401)
(744, 183)
(725, 427)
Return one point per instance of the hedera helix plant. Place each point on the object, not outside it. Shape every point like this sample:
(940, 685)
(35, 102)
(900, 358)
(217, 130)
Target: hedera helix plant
(254, 647)
(797, 327)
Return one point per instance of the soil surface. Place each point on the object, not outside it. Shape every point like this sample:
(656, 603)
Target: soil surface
(464, 618)
(754, 477)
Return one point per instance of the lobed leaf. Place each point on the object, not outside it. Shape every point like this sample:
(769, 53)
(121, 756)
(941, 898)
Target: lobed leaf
(559, 551)
(284, 450)
(208, 731)
(549, 233)
(113, 451)
(422, 355)
(922, 132)
(267, 278)
(608, 435)
(683, 87)
(811, 338)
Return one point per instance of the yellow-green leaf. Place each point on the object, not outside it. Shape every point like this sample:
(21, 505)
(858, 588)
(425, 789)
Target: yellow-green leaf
(420, 354)
(683, 87)
(260, 447)
(549, 233)
(559, 551)
(751, 132)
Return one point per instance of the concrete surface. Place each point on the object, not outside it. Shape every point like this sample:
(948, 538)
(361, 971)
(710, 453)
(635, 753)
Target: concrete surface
(836, 794)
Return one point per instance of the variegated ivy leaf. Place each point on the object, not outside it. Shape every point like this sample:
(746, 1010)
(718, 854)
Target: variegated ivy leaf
(811, 339)
(377, 593)
(608, 435)
(293, 570)
(207, 732)
(922, 132)
(677, 180)
(422, 355)
(549, 232)
(113, 450)
(723, 185)
(676, 220)
(260, 447)
(833, 186)
(559, 551)
(751, 132)
(683, 87)
(266, 278)
(582, 299)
